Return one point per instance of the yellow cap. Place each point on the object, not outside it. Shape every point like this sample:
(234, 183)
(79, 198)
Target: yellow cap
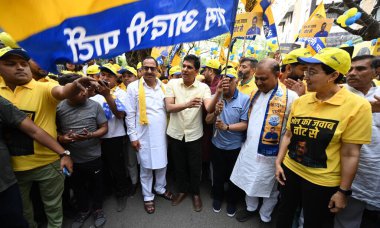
(335, 58)
(109, 67)
(213, 63)
(176, 70)
(139, 65)
(6, 39)
(231, 73)
(10, 51)
(93, 69)
(130, 69)
(292, 56)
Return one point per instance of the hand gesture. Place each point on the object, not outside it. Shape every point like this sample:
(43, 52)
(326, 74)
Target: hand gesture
(194, 103)
(375, 104)
(280, 175)
(296, 86)
(67, 138)
(84, 135)
(102, 88)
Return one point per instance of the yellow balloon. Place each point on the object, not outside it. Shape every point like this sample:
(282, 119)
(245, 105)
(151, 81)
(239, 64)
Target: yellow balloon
(351, 12)
(340, 19)
(343, 24)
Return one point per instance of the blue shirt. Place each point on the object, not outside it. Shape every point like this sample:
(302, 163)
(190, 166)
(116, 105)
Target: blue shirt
(234, 111)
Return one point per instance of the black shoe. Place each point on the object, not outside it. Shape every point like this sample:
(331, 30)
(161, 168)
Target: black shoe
(244, 215)
(217, 206)
(80, 219)
(231, 210)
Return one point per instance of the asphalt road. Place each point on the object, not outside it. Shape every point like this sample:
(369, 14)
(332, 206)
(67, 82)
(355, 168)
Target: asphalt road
(166, 215)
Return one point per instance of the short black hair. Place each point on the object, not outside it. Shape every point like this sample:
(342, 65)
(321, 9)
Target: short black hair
(283, 66)
(329, 70)
(150, 57)
(375, 62)
(362, 57)
(68, 78)
(252, 61)
(194, 59)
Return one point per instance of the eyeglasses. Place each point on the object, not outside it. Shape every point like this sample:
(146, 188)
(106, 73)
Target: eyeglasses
(146, 68)
(310, 73)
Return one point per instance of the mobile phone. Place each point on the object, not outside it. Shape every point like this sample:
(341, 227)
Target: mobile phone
(66, 172)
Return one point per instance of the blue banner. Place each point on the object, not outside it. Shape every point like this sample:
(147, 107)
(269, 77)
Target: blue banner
(137, 25)
(315, 43)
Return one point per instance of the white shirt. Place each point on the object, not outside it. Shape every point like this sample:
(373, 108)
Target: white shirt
(366, 185)
(115, 125)
(152, 137)
(255, 173)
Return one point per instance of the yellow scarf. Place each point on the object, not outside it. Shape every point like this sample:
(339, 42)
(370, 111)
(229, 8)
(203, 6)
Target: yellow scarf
(274, 117)
(142, 102)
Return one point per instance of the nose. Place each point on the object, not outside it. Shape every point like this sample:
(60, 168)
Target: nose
(20, 66)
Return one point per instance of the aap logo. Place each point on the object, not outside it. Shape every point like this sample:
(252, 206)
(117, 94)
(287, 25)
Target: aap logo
(274, 120)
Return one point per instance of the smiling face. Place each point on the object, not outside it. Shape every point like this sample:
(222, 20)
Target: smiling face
(149, 70)
(111, 79)
(188, 72)
(15, 70)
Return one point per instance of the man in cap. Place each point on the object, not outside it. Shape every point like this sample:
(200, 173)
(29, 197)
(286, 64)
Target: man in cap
(255, 167)
(366, 185)
(146, 123)
(212, 74)
(293, 71)
(246, 73)
(175, 72)
(128, 75)
(32, 161)
(113, 100)
(230, 118)
(93, 72)
(184, 99)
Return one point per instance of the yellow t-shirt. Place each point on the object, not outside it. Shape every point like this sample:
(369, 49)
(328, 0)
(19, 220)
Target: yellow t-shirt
(319, 128)
(47, 79)
(247, 88)
(36, 100)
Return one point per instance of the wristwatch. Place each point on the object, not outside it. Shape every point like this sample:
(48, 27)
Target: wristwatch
(345, 192)
(65, 153)
(228, 127)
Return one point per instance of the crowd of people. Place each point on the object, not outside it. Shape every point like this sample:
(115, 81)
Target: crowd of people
(300, 134)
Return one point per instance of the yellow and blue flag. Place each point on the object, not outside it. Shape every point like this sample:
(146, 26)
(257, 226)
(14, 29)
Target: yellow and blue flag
(269, 24)
(54, 31)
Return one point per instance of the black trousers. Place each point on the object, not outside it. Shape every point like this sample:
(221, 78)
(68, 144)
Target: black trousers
(113, 164)
(223, 162)
(88, 177)
(187, 158)
(313, 198)
(11, 214)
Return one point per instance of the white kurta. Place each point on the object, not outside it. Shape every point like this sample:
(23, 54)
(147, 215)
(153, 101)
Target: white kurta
(255, 173)
(152, 137)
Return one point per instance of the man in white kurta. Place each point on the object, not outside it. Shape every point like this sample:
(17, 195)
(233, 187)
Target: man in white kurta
(253, 172)
(149, 139)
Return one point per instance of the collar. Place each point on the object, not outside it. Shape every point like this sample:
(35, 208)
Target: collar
(195, 83)
(248, 83)
(236, 94)
(29, 85)
(336, 99)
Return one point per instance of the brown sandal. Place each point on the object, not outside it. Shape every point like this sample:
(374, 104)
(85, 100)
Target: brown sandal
(166, 195)
(149, 206)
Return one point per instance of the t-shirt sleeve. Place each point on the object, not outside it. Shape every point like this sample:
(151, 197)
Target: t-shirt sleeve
(100, 116)
(207, 94)
(49, 87)
(169, 92)
(245, 108)
(359, 127)
(9, 114)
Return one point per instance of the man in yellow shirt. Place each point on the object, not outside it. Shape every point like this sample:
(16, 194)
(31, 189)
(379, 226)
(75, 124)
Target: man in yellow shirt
(31, 161)
(184, 98)
(246, 73)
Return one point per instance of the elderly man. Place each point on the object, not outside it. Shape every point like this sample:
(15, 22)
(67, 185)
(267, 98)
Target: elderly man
(31, 161)
(184, 99)
(228, 137)
(146, 123)
(246, 73)
(366, 185)
(254, 171)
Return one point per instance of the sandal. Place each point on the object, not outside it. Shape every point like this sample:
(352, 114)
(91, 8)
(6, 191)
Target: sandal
(166, 195)
(149, 206)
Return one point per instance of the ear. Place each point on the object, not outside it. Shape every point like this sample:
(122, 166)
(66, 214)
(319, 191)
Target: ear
(288, 68)
(334, 76)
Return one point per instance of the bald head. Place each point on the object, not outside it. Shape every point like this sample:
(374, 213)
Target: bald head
(270, 64)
